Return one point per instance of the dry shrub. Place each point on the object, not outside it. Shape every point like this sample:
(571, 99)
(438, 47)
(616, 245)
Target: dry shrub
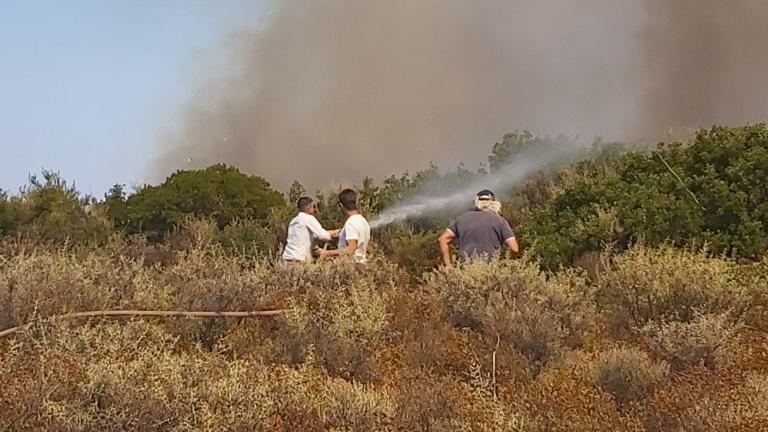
(366, 348)
(628, 374)
(563, 398)
(115, 377)
(354, 406)
(668, 284)
(136, 376)
(516, 302)
(344, 327)
(703, 401)
(41, 282)
(138, 248)
(307, 399)
(414, 251)
(417, 327)
(428, 402)
(701, 342)
(756, 276)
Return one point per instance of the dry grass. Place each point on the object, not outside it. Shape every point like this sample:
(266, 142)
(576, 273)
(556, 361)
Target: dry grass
(376, 349)
(628, 374)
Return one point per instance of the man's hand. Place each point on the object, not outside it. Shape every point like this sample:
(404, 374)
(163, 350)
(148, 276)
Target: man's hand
(334, 233)
(322, 253)
(328, 254)
(512, 245)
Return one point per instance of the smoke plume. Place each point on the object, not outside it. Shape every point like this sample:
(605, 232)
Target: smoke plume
(435, 197)
(702, 62)
(334, 90)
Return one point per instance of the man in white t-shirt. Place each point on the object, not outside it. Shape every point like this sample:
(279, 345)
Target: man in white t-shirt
(356, 233)
(302, 230)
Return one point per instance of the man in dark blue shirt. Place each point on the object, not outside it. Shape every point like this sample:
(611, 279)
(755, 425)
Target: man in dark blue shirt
(480, 232)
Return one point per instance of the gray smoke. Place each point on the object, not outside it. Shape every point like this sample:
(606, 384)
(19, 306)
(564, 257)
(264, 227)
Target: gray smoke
(334, 90)
(702, 62)
(435, 198)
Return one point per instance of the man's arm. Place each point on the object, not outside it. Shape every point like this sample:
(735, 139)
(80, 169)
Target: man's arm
(508, 236)
(317, 230)
(444, 241)
(349, 250)
(512, 245)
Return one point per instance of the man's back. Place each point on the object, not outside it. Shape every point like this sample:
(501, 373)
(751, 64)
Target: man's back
(356, 228)
(480, 232)
(301, 230)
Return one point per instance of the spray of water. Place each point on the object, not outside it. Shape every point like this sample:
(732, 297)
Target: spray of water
(511, 173)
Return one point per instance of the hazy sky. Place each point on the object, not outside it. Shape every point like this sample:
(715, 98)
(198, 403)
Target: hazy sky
(88, 86)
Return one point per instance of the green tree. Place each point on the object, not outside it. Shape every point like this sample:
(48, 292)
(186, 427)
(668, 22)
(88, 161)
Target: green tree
(10, 214)
(50, 209)
(219, 192)
(295, 192)
(711, 192)
(726, 169)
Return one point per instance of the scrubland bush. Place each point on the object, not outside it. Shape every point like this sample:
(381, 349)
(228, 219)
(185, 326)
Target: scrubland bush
(755, 276)
(371, 348)
(354, 406)
(41, 282)
(701, 342)
(344, 327)
(516, 302)
(668, 284)
(564, 398)
(100, 378)
(409, 248)
(127, 377)
(50, 210)
(707, 402)
(248, 239)
(628, 374)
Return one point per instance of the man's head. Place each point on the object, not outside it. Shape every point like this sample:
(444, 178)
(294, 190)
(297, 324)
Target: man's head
(485, 195)
(485, 200)
(306, 205)
(348, 201)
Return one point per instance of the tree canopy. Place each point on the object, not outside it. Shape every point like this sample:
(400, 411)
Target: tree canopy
(219, 192)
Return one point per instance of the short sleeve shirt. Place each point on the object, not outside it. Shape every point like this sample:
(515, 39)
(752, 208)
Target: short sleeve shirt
(356, 228)
(480, 232)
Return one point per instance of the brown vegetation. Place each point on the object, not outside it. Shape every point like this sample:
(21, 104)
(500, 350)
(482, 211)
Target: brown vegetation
(659, 340)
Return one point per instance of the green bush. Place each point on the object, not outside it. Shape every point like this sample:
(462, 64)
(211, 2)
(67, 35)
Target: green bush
(51, 210)
(248, 239)
(218, 192)
(709, 192)
(414, 250)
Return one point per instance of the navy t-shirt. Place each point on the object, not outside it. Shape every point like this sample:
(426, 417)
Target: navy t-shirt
(480, 232)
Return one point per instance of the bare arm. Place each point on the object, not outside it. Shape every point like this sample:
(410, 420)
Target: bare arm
(512, 245)
(349, 250)
(444, 241)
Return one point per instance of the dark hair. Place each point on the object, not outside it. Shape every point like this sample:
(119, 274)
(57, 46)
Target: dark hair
(304, 203)
(348, 199)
